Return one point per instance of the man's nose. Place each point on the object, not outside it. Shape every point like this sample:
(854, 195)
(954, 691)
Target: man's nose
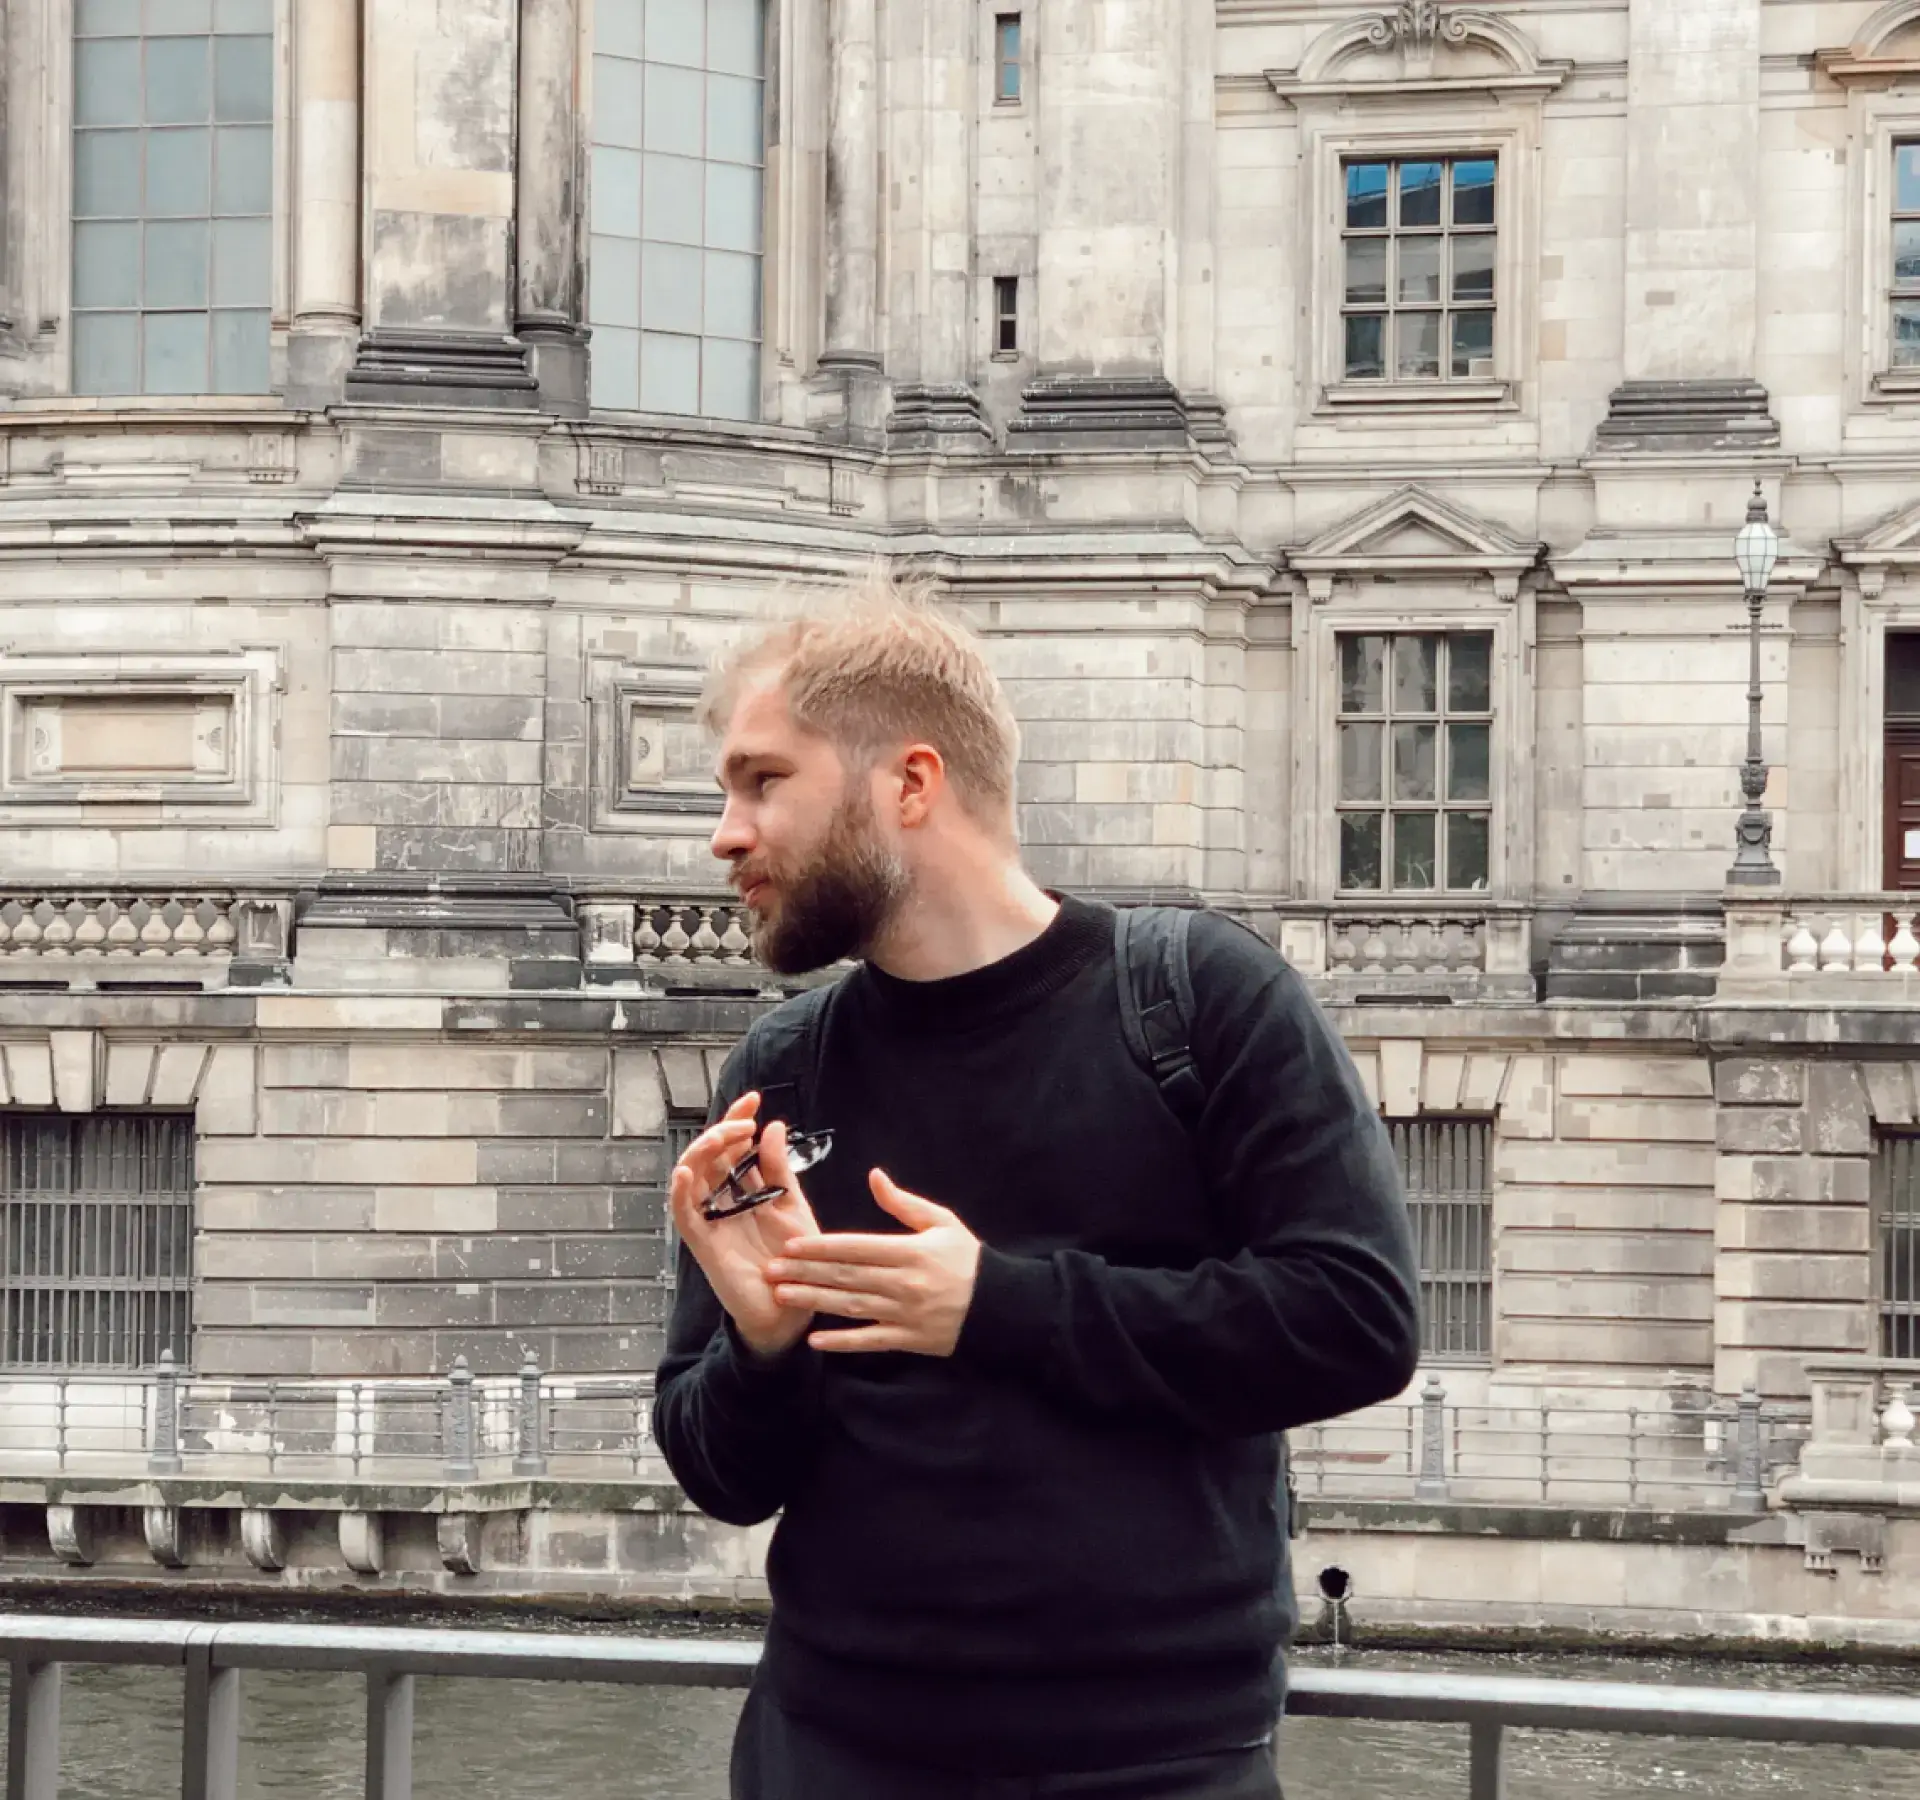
(732, 838)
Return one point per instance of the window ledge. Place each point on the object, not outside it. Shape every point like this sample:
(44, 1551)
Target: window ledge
(1897, 384)
(1418, 396)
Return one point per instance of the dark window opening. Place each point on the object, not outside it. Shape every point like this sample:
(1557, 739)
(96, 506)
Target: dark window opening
(1006, 314)
(1896, 1212)
(1006, 56)
(1903, 676)
(1446, 1164)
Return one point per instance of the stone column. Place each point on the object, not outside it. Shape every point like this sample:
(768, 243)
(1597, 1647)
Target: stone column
(1110, 80)
(550, 285)
(326, 199)
(441, 82)
(853, 191)
(931, 234)
(1692, 215)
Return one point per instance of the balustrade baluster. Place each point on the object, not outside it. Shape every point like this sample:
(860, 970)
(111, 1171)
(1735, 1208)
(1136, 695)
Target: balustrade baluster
(1905, 946)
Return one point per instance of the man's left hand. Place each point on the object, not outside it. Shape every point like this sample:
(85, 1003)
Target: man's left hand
(911, 1293)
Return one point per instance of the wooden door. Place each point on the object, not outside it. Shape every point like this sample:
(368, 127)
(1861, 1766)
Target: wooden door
(1903, 807)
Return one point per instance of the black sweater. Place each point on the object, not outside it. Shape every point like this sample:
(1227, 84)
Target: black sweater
(1059, 1549)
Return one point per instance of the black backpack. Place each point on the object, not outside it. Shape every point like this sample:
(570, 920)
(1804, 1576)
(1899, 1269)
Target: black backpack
(1156, 1013)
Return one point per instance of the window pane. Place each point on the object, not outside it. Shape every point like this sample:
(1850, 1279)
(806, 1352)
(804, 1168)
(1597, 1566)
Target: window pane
(176, 264)
(733, 36)
(242, 262)
(1467, 837)
(106, 82)
(1906, 334)
(733, 119)
(106, 18)
(1413, 850)
(1366, 271)
(106, 353)
(177, 173)
(175, 16)
(243, 176)
(1414, 750)
(1469, 762)
(1367, 196)
(174, 353)
(613, 274)
(243, 79)
(1472, 358)
(1414, 685)
(733, 207)
(730, 380)
(106, 265)
(1420, 193)
(670, 288)
(1363, 662)
(616, 368)
(1473, 193)
(675, 29)
(616, 26)
(1007, 56)
(240, 341)
(733, 295)
(673, 109)
(1473, 267)
(616, 192)
(1906, 171)
(1360, 761)
(1419, 260)
(669, 373)
(617, 88)
(670, 200)
(1417, 341)
(1360, 835)
(243, 15)
(177, 88)
(106, 174)
(1366, 334)
(1470, 672)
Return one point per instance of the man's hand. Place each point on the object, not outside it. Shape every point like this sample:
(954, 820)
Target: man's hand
(913, 1292)
(734, 1253)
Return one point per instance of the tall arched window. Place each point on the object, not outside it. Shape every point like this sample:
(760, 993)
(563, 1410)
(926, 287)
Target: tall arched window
(678, 149)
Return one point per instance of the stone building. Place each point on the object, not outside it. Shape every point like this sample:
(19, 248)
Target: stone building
(1336, 416)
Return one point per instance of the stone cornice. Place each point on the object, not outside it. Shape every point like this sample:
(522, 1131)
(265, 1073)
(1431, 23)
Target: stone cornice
(1427, 37)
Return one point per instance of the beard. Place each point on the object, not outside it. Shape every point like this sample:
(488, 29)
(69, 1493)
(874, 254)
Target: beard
(835, 903)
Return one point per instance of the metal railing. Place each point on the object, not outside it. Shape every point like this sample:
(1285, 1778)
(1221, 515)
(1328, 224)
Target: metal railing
(214, 1658)
(1716, 1455)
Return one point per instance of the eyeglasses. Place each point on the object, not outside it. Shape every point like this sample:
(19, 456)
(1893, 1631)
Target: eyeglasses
(731, 1198)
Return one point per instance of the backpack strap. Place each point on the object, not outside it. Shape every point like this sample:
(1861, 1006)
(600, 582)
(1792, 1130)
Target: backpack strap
(1156, 1003)
(791, 1049)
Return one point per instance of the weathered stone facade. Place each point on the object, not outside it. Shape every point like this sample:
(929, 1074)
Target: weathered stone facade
(349, 790)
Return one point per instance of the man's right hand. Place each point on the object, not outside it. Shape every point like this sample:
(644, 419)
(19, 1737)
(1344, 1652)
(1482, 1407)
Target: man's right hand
(733, 1253)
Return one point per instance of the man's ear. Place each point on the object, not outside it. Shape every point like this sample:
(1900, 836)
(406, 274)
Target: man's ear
(923, 779)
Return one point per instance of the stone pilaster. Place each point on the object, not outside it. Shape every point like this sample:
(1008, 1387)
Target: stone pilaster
(441, 84)
(549, 276)
(850, 380)
(1692, 279)
(326, 204)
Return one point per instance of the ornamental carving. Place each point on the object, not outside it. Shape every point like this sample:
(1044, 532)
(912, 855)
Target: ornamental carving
(1416, 25)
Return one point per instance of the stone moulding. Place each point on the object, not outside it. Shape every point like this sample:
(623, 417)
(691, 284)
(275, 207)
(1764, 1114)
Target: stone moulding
(1872, 59)
(1432, 42)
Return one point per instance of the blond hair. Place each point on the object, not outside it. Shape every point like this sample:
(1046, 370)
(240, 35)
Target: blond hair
(874, 665)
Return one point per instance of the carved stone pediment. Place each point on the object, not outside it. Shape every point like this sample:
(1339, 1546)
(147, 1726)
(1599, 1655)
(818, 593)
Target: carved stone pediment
(1893, 542)
(1884, 51)
(1413, 532)
(1420, 47)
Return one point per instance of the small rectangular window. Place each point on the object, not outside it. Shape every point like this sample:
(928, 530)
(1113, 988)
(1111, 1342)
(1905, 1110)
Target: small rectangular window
(1896, 1211)
(1415, 753)
(1905, 296)
(681, 1131)
(1419, 242)
(1006, 57)
(1006, 315)
(1446, 1163)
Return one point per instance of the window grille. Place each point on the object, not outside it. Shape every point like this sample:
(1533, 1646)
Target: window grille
(1896, 1209)
(1905, 296)
(1416, 762)
(1445, 1164)
(680, 1135)
(172, 196)
(96, 1239)
(1419, 279)
(1006, 315)
(678, 153)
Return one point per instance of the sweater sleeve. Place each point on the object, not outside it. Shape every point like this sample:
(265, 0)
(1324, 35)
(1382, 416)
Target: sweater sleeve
(1312, 1309)
(736, 1430)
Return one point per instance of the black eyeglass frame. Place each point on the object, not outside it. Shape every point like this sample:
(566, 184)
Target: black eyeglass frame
(804, 1149)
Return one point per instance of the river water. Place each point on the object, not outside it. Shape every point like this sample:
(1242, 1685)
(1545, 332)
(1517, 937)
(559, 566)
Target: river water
(480, 1740)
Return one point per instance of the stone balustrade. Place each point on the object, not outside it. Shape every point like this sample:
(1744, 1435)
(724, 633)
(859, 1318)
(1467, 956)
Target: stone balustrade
(1874, 938)
(665, 940)
(118, 925)
(1863, 947)
(1479, 950)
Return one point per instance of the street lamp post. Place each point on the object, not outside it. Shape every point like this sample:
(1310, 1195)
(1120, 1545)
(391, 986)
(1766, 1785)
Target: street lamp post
(1755, 550)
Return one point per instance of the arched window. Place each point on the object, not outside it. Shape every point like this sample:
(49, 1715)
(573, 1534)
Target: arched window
(677, 177)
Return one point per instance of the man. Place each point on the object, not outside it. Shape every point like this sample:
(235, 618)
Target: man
(1011, 1362)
